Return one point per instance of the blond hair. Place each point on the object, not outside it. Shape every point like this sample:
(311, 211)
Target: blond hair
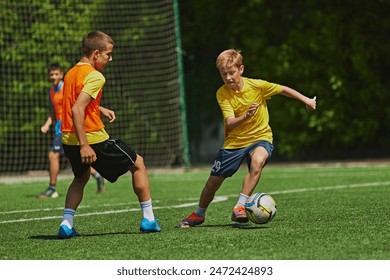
(229, 58)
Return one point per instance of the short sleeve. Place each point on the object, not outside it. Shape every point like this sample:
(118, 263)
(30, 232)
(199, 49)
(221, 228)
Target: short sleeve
(94, 83)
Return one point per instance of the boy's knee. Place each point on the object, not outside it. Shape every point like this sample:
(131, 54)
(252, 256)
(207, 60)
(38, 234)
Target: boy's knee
(258, 164)
(86, 175)
(53, 155)
(138, 164)
(262, 162)
(214, 182)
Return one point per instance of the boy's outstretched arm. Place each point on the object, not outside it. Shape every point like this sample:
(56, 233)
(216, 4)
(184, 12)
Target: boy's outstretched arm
(309, 102)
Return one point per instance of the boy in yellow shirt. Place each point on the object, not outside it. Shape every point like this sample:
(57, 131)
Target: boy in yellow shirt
(247, 133)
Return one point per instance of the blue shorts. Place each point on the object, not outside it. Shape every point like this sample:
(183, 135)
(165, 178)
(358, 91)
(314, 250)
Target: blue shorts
(228, 161)
(57, 145)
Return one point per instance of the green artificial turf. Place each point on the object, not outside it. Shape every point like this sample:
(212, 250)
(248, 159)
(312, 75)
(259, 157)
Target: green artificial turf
(324, 213)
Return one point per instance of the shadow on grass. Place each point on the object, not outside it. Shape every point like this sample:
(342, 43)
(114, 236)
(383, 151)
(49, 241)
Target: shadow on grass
(239, 226)
(55, 237)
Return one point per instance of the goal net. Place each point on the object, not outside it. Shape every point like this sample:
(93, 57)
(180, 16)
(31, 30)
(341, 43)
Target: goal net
(143, 81)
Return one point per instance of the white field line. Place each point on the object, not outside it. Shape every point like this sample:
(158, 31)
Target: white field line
(216, 199)
(350, 186)
(327, 170)
(61, 208)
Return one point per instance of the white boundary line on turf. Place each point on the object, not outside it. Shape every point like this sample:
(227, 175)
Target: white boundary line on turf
(350, 186)
(216, 199)
(61, 208)
(329, 167)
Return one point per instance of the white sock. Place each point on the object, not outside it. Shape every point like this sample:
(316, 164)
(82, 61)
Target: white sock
(147, 210)
(68, 217)
(97, 175)
(242, 200)
(200, 212)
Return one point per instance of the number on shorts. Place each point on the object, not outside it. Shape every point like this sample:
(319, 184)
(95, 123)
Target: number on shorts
(217, 166)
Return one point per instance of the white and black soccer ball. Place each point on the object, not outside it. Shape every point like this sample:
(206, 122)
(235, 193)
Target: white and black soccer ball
(260, 208)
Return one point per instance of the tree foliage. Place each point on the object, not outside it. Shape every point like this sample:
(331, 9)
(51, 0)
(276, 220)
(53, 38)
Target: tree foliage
(32, 36)
(37, 33)
(335, 50)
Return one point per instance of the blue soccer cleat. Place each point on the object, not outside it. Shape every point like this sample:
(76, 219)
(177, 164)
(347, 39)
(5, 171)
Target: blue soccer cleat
(65, 232)
(148, 226)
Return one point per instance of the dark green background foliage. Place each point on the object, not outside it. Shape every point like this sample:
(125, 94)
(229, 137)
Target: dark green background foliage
(335, 50)
(28, 44)
(37, 33)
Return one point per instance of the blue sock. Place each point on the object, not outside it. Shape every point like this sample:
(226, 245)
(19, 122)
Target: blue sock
(200, 212)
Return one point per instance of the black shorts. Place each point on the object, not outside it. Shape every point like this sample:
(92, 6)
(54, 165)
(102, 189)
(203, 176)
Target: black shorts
(114, 159)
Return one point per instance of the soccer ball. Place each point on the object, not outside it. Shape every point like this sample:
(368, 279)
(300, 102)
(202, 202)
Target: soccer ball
(260, 208)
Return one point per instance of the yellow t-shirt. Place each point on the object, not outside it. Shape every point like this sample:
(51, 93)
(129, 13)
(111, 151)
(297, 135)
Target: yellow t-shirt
(235, 104)
(83, 77)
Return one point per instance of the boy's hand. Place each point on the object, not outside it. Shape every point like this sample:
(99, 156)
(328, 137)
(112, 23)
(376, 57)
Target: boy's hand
(109, 114)
(87, 154)
(45, 128)
(252, 110)
(311, 106)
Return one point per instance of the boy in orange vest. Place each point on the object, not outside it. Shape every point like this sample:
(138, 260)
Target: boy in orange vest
(86, 142)
(55, 98)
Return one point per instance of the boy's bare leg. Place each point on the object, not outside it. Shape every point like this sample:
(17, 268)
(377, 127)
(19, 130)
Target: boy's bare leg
(54, 169)
(140, 180)
(208, 193)
(76, 191)
(141, 188)
(209, 190)
(259, 157)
